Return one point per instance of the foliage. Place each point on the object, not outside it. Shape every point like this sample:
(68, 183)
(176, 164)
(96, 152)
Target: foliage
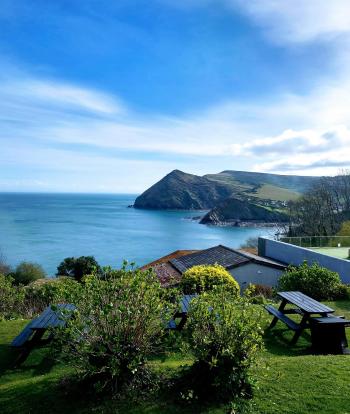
(259, 293)
(78, 267)
(225, 337)
(202, 278)
(345, 229)
(10, 297)
(251, 243)
(322, 209)
(27, 272)
(37, 296)
(342, 292)
(315, 281)
(5, 268)
(119, 322)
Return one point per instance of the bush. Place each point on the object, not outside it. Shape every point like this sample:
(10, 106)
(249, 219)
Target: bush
(225, 337)
(78, 267)
(27, 272)
(11, 298)
(37, 296)
(315, 281)
(118, 324)
(343, 292)
(202, 278)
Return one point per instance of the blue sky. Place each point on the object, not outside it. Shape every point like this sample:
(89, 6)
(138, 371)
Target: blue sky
(106, 96)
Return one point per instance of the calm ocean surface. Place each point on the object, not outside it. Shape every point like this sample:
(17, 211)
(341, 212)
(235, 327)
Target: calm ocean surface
(46, 228)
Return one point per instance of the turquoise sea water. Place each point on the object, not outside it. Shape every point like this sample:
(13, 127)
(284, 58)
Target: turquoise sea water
(46, 228)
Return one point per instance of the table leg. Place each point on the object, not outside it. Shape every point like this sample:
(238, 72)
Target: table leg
(281, 308)
(302, 326)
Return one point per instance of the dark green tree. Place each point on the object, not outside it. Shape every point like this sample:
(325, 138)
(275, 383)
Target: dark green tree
(78, 267)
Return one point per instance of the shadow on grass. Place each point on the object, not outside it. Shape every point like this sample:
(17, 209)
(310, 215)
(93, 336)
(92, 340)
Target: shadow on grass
(40, 362)
(278, 342)
(8, 357)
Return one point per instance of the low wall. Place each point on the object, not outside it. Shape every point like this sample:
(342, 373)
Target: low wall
(295, 255)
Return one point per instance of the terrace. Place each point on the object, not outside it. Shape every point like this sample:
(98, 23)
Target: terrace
(334, 246)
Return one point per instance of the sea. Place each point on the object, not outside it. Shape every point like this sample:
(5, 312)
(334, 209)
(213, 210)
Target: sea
(46, 228)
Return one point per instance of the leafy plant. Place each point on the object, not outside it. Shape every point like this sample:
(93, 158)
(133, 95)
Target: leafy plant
(118, 324)
(315, 281)
(78, 267)
(11, 298)
(27, 272)
(225, 337)
(202, 278)
(37, 296)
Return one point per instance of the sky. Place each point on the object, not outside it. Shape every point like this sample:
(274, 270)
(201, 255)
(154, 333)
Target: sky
(110, 96)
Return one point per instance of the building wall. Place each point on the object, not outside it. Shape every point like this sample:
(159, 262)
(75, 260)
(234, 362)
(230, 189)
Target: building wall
(290, 254)
(255, 273)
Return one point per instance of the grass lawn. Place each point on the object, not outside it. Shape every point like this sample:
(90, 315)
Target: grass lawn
(291, 380)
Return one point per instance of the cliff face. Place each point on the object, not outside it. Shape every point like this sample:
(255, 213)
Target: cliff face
(181, 191)
(234, 211)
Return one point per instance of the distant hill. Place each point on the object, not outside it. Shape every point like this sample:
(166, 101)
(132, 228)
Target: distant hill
(181, 191)
(238, 198)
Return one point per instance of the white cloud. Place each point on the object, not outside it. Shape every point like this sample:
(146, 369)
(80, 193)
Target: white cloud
(298, 20)
(286, 133)
(291, 21)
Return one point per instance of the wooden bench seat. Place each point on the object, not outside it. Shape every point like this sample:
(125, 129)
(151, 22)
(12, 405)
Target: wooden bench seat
(282, 317)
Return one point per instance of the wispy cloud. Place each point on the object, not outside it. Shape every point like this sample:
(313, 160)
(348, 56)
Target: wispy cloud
(304, 133)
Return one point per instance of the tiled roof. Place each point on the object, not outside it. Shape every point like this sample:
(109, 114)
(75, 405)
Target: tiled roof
(262, 260)
(221, 255)
(167, 274)
(168, 257)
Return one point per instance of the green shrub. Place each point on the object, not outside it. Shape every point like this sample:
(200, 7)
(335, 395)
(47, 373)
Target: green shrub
(118, 324)
(315, 281)
(11, 298)
(202, 278)
(225, 337)
(27, 272)
(343, 292)
(37, 296)
(78, 267)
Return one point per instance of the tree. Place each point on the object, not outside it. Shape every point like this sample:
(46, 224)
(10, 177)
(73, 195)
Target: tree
(78, 267)
(27, 272)
(322, 209)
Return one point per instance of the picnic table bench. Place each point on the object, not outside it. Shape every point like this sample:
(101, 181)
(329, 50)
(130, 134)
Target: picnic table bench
(327, 330)
(32, 335)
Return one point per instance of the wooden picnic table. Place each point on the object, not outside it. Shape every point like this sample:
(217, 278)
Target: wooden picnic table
(327, 330)
(305, 306)
(32, 335)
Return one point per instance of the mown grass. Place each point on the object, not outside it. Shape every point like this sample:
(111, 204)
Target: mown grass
(290, 380)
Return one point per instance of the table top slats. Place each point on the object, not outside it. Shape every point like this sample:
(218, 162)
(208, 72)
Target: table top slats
(51, 318)
(305, 303)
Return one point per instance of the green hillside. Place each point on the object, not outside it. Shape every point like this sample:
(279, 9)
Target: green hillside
(182, 191)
